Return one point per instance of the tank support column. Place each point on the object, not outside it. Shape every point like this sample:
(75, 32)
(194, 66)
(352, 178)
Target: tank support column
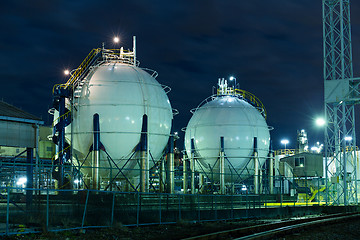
(222, 166)
(271, 171)
(185, 182)
(192, 166)
(96, 152)
(201, 182)
(144, 164)
(162, 176)
(170, 166)
(256, 167)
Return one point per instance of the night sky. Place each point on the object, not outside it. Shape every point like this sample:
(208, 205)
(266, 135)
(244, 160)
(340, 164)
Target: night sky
(273, 48)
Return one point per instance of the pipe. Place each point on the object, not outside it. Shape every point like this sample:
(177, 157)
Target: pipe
(37, 171)
(96, 152)
(61, 140)
(185, 183)
(144, 173)
(134, 49)
(170, 166)
(222, 166)
(256, 167)
(192, 166)
(162, 176)
(201, 182)
(271, 170)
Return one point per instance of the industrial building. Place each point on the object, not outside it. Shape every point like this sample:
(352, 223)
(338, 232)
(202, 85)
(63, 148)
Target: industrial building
(111, 149)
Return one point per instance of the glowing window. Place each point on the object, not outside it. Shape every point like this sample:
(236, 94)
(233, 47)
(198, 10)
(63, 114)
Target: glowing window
(299, 161)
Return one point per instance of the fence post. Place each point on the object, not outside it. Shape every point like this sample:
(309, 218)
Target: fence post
(216, 217)
(179, 207)
(47, 209)
(259, 205)
(138, 209)
(198, 201)
(112, 210)
(232, 206)
(247, 214)
(86, 203)
(7, 210)
(160, 207)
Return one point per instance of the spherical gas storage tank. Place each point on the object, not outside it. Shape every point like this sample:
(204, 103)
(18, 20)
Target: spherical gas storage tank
(121, 94)
(230, 116)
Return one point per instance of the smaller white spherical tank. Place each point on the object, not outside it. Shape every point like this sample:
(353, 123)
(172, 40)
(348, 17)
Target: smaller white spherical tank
(238, 122)
(121, 94)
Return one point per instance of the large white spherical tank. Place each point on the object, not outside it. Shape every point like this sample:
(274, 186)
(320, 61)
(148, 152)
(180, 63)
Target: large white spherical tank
(238, 122)
(121, 94)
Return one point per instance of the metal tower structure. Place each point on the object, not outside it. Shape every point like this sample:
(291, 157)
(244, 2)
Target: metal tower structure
(341, 96)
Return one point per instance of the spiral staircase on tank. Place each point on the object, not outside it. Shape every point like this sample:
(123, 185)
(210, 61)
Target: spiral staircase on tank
(64, 119)
(61, 92)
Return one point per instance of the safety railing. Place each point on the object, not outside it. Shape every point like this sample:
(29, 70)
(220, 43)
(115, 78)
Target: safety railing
(249, 97)
(125, 56)
(296, 151)
(287, 151)
(75, 74)
(83, 66)
(62, 117)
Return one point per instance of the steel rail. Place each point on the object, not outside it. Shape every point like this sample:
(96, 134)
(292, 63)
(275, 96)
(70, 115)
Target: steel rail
(269, 231)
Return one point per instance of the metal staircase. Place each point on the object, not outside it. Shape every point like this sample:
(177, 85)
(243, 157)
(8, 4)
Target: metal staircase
(61, 92)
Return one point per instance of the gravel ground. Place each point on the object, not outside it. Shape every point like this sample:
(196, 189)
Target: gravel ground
(348, 231)
(158, 232)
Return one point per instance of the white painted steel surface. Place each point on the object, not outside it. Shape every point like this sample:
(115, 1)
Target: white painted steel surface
(121, 94)
(238, 122)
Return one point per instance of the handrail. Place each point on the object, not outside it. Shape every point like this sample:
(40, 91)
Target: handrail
(287, 151)
(153, 73)
(83, 66)
(57, 154)
(125, 56)
(65, 115)
(78, 71)
(249, 97)
(253, 100)
(296, 151)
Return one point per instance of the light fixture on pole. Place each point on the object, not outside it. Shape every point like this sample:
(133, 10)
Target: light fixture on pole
(285, 142)
(232, 78)
(348, 138)
(320, 122)
(116, 39)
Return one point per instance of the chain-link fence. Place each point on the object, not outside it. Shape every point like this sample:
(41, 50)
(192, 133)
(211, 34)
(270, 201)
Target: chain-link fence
(48, 208)
(37, 210)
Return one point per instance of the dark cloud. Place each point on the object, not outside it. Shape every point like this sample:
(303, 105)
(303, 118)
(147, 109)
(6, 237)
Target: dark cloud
(274, 48)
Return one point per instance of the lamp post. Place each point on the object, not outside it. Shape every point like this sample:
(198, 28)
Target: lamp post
(117, 40)
(232, 78)
(284, 141)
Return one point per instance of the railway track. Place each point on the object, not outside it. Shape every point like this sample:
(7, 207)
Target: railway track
(278, 229)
